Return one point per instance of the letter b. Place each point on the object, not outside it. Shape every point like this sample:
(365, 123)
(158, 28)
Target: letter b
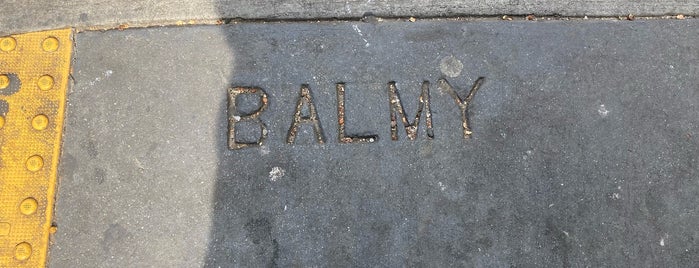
(235, 116)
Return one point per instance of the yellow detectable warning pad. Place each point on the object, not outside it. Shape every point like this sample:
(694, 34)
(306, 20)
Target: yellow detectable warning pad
(34, 70)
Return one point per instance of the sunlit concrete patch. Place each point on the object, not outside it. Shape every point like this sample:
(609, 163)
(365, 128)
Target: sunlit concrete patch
(34, 71)
(555, 144)
(122, 175)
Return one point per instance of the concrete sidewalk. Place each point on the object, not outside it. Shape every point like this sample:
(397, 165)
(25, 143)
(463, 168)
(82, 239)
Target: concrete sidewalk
(17, 16)
(583, 149)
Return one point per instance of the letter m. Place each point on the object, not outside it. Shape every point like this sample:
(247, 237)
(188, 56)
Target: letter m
(398, 111)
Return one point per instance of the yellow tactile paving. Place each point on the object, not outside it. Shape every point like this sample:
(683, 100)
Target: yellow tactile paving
(34, 70)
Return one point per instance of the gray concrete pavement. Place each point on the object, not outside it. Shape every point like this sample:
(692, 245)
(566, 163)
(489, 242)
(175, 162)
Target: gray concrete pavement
(30, 15)
(583, 152)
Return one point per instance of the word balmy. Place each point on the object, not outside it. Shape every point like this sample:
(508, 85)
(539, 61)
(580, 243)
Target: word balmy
(305, 99)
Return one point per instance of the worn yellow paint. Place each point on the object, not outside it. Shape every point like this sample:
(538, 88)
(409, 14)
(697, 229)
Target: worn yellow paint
(34, 72)
(4, 81)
